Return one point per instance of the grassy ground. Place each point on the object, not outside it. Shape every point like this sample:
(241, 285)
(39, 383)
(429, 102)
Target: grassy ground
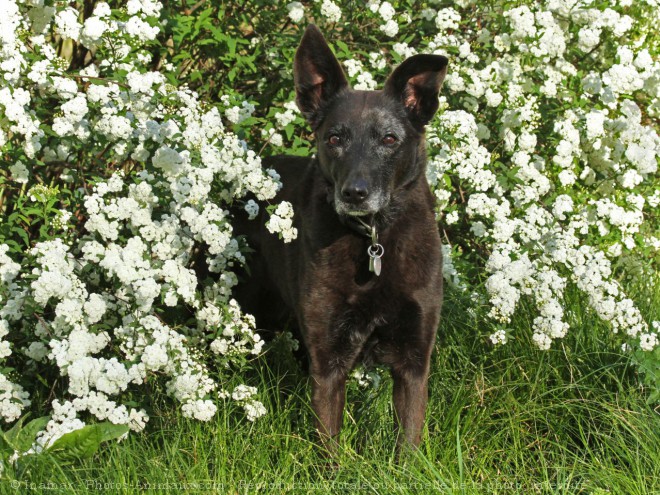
(570, 420)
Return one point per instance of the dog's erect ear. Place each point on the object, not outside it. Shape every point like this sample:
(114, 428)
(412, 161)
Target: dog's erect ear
(316, 73)
(416, 82)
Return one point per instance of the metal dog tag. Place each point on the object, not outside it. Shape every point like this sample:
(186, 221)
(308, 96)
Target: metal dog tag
(376, 250)
(376, 262)
(375, 253)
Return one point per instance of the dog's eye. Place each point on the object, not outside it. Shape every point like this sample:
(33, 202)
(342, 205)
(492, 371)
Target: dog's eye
(389, 139)
(334, 140)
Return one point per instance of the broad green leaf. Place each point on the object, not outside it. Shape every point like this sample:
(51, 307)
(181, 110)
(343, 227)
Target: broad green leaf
(11, 434)
(27, 436)
(83, 443)
(5, 448)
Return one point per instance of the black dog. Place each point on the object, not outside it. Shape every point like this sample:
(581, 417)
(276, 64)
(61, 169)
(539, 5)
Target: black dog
(364, 277)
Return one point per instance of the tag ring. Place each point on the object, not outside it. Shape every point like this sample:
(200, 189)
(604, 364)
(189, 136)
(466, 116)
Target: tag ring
(376, 250)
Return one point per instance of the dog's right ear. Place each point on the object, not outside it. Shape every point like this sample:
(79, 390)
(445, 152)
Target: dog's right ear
(416, 83)
(317, 75)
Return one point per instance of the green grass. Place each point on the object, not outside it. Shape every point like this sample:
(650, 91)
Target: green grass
(570, 420)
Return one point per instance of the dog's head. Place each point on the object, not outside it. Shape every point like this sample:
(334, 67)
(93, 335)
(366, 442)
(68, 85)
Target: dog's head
(370, 143)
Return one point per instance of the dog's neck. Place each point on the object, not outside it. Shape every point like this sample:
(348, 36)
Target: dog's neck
(362, 225)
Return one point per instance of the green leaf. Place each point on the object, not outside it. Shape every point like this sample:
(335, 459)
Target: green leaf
(43, 232)
(447, 180)
(23, 235)
(27, 435)
(38, 212)
(231, 44)
(5, 447)
(345, 51)
(83, 443)
(26, 220)
(12, 433)
(182, 55)
(289, 130)
(20, 438)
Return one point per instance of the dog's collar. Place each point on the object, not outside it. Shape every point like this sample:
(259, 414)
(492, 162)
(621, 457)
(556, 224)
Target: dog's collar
(358, 225)
(375, 249)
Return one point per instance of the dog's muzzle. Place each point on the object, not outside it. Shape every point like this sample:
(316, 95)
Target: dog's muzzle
(371, 205)
(355, 198)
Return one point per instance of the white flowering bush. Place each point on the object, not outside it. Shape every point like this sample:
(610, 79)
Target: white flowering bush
(116, 179)
(558, 188)
(128, 130)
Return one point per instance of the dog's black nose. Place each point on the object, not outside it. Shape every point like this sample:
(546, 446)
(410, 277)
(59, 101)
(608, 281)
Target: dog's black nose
(355, 191)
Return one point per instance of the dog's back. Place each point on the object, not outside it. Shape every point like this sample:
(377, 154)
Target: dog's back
(267, 285)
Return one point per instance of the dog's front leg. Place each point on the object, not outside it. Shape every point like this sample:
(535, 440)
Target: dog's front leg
(410, 372)
(410, 398)
(328, 398)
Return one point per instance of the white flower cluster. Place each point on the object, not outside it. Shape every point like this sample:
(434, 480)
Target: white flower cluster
(464, 155)
(244, 395)
(367, 378)
(447, 18)
(331, 10)
(364, 79)
(281, 222)
(13, 398)
(235, 330)
(236, 114)
(283, 120)
(650, 340)
(449, 271)
(63, 420)
(386, 12)
(538, 33)
(498, 337)
(296, 11)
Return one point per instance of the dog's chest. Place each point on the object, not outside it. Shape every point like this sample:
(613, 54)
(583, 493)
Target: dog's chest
(355, 311)
(409, 259)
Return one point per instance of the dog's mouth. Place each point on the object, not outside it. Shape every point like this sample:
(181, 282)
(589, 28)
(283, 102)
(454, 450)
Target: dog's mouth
(359, 213)
(363, 210)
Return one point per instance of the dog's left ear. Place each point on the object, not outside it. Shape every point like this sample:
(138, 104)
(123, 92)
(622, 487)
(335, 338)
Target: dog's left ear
(416, 82)
(317, 75)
